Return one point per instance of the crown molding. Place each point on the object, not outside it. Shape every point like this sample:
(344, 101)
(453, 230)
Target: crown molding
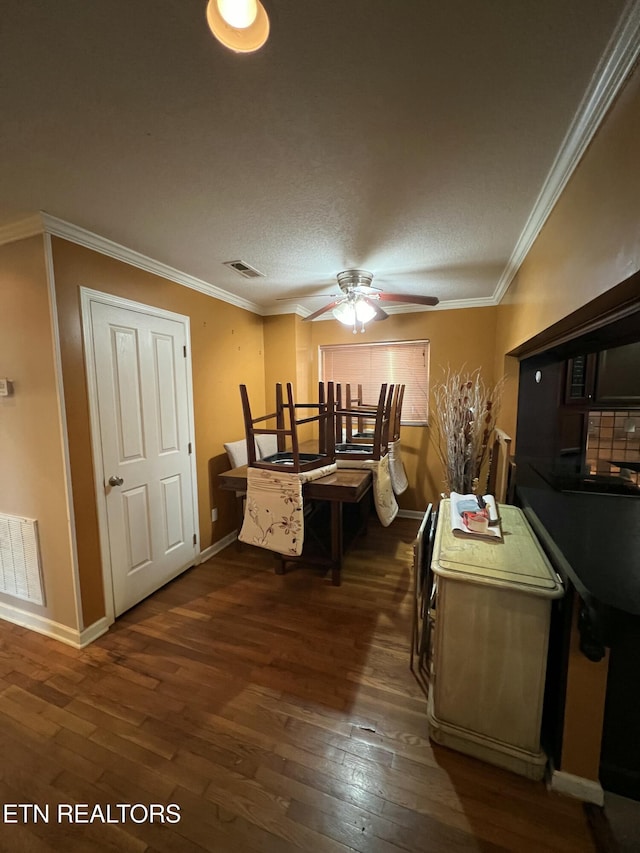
(45, 223)
(21, 229)
(273, 310)
(59, 228)
(614, 67)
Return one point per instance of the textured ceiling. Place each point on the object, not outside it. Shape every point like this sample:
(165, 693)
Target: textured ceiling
(411, 139)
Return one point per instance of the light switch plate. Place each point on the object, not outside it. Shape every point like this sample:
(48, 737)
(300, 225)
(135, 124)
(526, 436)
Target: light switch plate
(5, 388)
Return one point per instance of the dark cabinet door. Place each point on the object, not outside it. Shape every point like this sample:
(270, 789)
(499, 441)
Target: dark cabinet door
(581, 372)
(618, 377)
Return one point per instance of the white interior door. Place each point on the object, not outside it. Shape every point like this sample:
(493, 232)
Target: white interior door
(142, 392)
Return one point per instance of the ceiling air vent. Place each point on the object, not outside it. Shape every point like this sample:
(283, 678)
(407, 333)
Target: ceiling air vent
(244, 269)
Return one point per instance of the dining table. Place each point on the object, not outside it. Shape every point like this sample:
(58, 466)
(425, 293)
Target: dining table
(347, 494)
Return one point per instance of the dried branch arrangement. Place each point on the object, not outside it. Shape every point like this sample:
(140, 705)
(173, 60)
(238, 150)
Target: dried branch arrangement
(465, 416)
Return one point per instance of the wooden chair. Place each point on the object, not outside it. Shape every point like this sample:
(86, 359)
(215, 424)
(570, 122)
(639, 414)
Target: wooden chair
(396, 413)
(355, 401)
(499, 466)
(288, 456)
(237, 455)
(423, 598)
(370, 443)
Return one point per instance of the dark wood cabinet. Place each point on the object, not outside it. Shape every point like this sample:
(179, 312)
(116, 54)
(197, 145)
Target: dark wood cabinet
(580, 382)
(617, 381)
(606, 379)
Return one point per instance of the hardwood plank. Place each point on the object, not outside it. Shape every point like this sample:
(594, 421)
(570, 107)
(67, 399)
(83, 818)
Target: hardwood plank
(158, 788)
(113, 791)
(233, 833)
(268, 811)
(219, 749)
(151, 761)
(41, 689)
(15, 705)
(342, 782)
(363, 832)
(63, 835)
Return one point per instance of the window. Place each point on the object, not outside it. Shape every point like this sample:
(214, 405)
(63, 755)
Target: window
(369, 365)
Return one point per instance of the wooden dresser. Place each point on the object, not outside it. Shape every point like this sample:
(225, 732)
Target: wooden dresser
(488, 661)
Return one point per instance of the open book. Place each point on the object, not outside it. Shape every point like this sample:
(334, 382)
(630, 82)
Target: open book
(470, 517)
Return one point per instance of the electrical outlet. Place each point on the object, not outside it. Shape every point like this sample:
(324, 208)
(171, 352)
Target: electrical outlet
(214, 514)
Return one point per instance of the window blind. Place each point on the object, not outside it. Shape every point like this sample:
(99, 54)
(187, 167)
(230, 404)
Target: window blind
(369, 365)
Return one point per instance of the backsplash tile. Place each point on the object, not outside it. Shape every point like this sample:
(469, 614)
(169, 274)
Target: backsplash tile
(613, 436)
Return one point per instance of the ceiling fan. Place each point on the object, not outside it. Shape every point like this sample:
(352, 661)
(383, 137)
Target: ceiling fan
(359, 304)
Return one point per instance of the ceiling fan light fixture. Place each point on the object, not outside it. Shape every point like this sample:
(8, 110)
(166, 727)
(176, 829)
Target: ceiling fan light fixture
(345, 313)
(361, 300)
(364, 311)
(240, 25)
(347, 279)
(354, 312)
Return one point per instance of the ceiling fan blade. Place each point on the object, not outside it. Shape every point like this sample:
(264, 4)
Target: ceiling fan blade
(380, 314)
(409, 297)
(323, 310)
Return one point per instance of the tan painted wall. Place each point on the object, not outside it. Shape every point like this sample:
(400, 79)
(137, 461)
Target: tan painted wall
(288, 358)
(584, 709)
(227, 349)
(32, 472)
(589, 244)
(458, 338)
(280, 356)
(306, 360)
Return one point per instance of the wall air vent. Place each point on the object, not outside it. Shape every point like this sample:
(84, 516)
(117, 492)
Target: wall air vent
(244, 269)
(20, 569)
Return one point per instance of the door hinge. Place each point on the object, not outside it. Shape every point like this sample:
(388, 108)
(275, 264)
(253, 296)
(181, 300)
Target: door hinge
(190, 448)
(184, 351)
(195, 539)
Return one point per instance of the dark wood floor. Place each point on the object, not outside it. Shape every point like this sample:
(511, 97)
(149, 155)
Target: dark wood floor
(279, 713)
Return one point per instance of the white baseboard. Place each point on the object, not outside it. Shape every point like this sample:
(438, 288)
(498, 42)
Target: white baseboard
(99, 627)
(576, 786)
(216, 547)
(35, 622)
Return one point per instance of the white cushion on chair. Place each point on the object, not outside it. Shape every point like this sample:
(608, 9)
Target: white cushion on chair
(267, 445)
(237, 452)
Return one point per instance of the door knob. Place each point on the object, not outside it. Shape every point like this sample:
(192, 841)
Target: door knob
(115, 481)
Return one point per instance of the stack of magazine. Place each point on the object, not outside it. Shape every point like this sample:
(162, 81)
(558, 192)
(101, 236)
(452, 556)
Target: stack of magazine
(475, 515)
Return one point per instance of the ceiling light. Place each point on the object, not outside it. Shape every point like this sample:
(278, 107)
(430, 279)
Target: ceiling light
(345, 312)
(240, 25)
(239, 13)
(352, 312)
(364, 311)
